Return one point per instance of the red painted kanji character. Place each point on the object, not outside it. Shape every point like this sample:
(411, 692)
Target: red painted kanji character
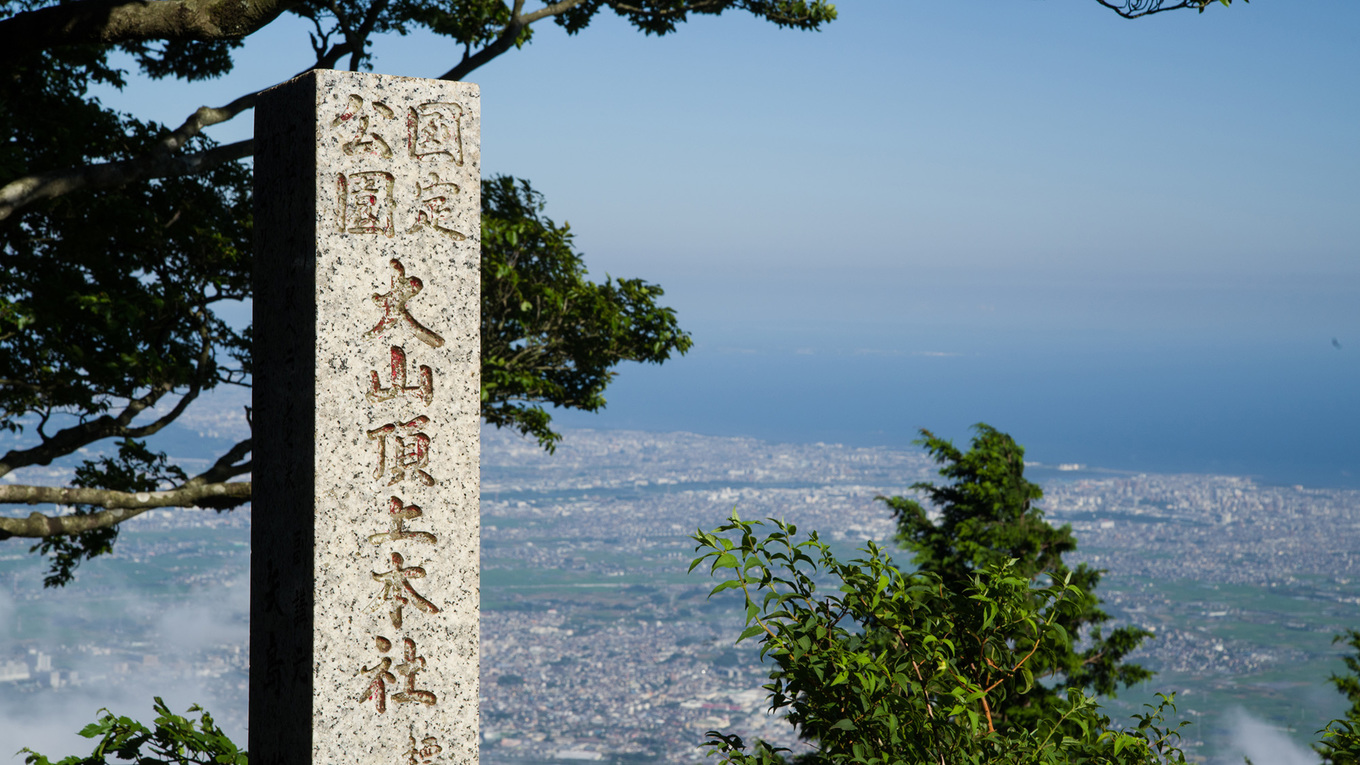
(422, 391)
(379, 676)
(426, 753)
(410, 665)
(397, 516)
(363, 125)
(410, 452)
(366, 203)
(397, 588)
(395, 313)
(435, 208)
(434, 130)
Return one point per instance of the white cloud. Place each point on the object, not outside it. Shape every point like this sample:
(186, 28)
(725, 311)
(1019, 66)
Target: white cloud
(1261, 742)
(49, 721)
(217, 615)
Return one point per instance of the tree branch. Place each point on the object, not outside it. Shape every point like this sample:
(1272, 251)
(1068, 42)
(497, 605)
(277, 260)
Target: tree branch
(226, 466)
(119, 21)
(1132, 9)
(507, 37)
(208, 489)
(204, 116)
(109, 175)
(67, 440)
(555, 9)
(500, 45)
(119, 506)
(160, 162)
(699, 6)
(358, 39)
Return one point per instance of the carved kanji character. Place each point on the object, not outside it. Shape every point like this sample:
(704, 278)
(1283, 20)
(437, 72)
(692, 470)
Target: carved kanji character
(410, 665)
(379, 676)
(434, 130)
(364, 125)
(422, 391)
(397, 588)
(395, 313)
(436, 207)
(366, 203)
(411, 451)
(426, 753)
(398, 515)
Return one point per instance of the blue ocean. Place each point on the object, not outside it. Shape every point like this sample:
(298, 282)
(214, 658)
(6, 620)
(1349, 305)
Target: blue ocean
(1282, 409)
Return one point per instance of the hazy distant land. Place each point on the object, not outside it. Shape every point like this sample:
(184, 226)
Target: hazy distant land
(597, 645)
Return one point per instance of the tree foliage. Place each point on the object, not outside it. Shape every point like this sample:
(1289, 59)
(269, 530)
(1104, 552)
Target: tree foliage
(990, 651)
(173, 739)
(548, 334)
(987, 518)
(882, 666)
(1340, 743)
(136, 468)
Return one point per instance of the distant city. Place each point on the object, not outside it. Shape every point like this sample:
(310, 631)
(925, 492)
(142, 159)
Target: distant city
(596, 644)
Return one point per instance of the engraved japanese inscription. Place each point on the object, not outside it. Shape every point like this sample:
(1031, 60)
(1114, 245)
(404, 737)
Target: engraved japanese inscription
(397, 515)
(383, 639)
(422, 391)
(395, 313)
(435, 131)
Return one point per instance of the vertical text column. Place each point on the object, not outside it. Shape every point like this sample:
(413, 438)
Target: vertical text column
(395, 317)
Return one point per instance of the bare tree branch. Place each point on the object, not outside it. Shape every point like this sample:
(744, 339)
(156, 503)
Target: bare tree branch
(507, 37)
(120, 505)
(1132, 9)
(160, 162)
(227, 466)
(68, 440)
(109, 175)
(121, 21)
(208, 489)
(555, 9)
(357, 39)
(501, 44)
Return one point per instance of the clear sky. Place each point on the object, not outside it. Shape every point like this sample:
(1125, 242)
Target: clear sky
(1130, 243)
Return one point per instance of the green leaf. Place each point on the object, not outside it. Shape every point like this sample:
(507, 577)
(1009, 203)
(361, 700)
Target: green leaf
(726, 560)
(751, 632)
(728, 585)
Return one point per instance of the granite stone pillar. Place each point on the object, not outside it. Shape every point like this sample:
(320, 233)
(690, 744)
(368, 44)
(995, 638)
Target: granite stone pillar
(364, 544)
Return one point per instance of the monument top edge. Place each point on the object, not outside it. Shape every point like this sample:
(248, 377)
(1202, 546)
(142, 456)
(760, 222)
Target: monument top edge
(325, 77)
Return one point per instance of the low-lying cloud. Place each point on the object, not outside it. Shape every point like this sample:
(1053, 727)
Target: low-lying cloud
(1261, 742)
(211, 619)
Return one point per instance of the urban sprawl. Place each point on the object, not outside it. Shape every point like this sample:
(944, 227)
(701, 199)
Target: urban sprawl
(597, 645)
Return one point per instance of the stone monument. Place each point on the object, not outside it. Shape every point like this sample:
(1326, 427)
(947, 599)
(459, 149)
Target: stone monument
(364, 544)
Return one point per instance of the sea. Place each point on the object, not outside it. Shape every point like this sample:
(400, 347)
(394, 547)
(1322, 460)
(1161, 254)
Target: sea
(1283, 410)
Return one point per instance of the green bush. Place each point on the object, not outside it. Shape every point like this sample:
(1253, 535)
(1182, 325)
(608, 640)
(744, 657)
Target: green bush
(887, 667)
(175, 739)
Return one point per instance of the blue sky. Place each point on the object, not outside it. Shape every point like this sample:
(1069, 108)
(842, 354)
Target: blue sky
(1105, 236)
